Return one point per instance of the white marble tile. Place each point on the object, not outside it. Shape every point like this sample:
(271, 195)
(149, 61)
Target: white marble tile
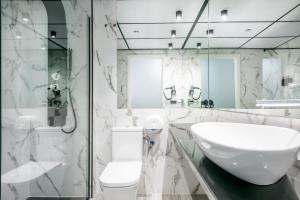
(162, 170)
(290, 61)
(25, 83)
(105, 82)
(182, 68)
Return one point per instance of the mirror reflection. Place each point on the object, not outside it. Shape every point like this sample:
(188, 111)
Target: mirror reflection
(221, 56)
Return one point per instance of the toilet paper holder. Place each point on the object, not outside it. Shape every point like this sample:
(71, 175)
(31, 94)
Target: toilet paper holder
(153, 122)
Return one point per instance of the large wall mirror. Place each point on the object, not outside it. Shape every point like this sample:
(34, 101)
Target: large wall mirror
(213, 53)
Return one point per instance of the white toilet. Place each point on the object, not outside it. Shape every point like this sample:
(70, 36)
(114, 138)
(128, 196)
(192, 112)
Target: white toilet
(120, 178)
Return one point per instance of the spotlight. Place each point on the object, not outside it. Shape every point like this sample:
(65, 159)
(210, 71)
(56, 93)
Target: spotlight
(53, 34)
(178, 15)
(18, 35)
(199, 45)
(173, 33)
(44, 46)
(210, 32)
(25, 17)
(224, 14)
(170, 45)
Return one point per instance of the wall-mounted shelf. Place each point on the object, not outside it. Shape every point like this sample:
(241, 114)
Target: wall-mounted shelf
(28, 171)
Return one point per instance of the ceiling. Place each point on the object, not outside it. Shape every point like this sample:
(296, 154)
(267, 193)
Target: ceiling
(263, 24)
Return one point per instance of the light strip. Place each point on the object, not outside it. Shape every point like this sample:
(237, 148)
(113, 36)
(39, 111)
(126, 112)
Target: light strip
(280, 103)
(293, 85)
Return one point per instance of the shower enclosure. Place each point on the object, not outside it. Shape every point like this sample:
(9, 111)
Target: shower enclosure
(45, 99)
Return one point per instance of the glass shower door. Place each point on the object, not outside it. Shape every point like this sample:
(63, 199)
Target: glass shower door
(44, 99)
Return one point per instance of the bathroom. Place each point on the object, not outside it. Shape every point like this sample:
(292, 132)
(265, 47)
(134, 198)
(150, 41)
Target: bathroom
(150, 99)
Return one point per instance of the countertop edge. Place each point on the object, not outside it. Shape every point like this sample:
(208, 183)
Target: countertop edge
(202, 182)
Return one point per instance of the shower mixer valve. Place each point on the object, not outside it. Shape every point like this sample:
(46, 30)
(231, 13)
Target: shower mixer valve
(54, 98)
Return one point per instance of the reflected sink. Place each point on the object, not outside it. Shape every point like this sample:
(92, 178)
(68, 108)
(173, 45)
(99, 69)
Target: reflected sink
(258, 154)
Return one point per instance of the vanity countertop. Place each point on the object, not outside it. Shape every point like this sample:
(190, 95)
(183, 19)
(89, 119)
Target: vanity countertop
(221, 185)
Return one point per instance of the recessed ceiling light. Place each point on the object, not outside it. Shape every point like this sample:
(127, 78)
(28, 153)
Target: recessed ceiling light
(53, 34)
(178, 15)
(44, 46)
(210, 32)
(224, 14)
(199, 45)
(18, 35)
(173, 33)
(170, 45)
(25, 17)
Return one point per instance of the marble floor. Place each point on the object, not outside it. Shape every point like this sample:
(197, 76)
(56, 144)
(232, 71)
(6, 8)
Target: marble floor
(174, 197)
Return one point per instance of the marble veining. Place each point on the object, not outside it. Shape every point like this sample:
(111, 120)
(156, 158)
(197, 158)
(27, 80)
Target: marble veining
(219, 183)
(290, 59)
(163, 170)
(163, 160)
(25, 100)
(183, 69)
(105, 45)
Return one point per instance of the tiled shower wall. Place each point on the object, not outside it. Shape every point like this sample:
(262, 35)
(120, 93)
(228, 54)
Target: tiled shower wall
(20, 92)
(24, 101)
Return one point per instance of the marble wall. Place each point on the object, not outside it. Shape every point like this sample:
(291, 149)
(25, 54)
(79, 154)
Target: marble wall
(162, 171)
(162, 159)
(105, 85)
(22, 60)
(24, 101)
(271, 78)
(182, 69)
(162, 167)
(290, 67)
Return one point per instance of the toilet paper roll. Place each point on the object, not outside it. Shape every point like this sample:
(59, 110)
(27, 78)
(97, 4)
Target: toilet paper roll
(154, 122)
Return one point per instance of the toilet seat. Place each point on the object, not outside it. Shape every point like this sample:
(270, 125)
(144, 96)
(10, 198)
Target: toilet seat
(121, 174)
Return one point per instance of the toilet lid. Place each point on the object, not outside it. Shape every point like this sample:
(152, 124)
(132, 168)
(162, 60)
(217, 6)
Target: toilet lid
(121, 174)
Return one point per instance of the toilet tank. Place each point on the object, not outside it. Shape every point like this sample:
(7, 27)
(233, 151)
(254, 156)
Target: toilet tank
(127, 144)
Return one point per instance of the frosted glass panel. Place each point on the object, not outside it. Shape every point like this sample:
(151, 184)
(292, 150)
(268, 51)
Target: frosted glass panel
(145, 81)
(222, 82)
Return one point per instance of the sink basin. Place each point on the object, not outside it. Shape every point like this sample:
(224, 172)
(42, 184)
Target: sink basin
(258, 154)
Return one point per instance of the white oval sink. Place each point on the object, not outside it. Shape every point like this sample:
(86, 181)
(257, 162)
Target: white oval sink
(258, 154)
